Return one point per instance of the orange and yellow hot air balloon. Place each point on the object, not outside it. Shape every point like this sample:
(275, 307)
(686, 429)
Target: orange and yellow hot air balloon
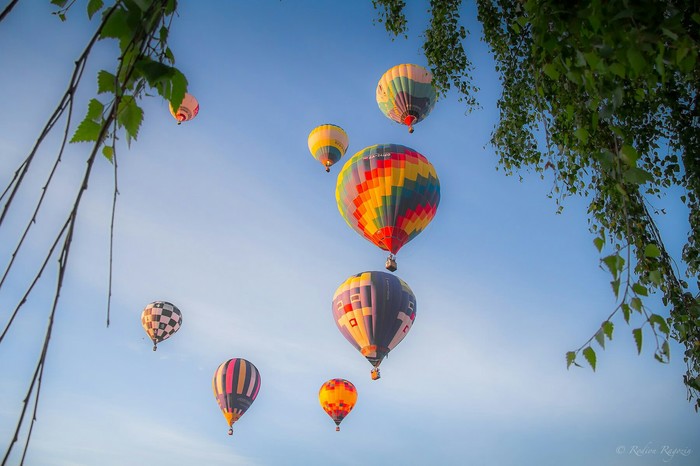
(236, 384)
(328, 143)
(188, 109)
(337, 398)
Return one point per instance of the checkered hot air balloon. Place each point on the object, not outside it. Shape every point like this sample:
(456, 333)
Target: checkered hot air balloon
(236, 384)
(374, 311)
(188, 109)
(328, 143)
(160, 319)
(388, 193)
(337, 398)
(405, 94)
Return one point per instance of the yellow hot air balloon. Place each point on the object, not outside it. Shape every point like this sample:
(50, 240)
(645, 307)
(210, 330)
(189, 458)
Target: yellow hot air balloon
(188, 109)
(328, 143)
(337, 398)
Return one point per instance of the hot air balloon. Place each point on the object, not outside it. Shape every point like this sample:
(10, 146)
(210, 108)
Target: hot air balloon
(236, 384)
(374, 311)
(337, 398)
(388, 193)
(328, 144)
(405, 94)
(160, 319)
(188, 109)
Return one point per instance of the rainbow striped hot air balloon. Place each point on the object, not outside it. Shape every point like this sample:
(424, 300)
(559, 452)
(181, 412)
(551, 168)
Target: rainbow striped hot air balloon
(374, 311)
(328, 143)
(405, 94)
(236, 383)
(388, 193)
(337, 398)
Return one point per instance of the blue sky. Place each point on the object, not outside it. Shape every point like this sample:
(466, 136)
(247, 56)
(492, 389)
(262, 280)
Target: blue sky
(230, 218)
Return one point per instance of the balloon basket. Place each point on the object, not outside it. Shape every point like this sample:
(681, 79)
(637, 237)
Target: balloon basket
(230, 431)
(375, 374)
(391, 264)
(337, 429)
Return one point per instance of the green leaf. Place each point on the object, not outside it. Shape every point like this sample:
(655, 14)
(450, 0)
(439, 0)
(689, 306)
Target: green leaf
(105, 82)
(696, 17)
(108, 152)
(87, 131)
(550, 69)
(582, 134)
(629, 154)
(589, 354)
(608, 329)
(142, 4)
(93, 7)
(655, 277)
(660, 322)
(618, 69)
(636, 59)
(637, 175)
(616, 286)
(95, 109)
(614, 262)
(652, 250)
(599, 243)
(625, 312)
(59, 3)
(130, 116)
(179, 88)
(62, 16)
(154, 71)
(600, 338)
(637, 333)
(116, 25)
(636, 304)
(570, 358)
(640, 289)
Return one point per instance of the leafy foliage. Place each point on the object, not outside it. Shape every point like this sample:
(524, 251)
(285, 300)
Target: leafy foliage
(613, 88)
(145, 61)
(610, 84)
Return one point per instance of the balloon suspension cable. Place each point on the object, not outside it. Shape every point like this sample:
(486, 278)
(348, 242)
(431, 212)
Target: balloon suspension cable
(391, 263)
(230, 431)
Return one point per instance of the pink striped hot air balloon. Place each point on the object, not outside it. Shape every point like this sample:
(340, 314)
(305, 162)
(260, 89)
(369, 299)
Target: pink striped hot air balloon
(236, 384)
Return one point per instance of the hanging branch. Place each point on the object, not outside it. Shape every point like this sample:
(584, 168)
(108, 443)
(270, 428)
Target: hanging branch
(142, 35)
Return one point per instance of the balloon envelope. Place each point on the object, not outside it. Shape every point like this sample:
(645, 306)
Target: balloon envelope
(160, 319)
(236, 384)
(374, 311)
(328, 143)
(337, 398)
(388, 193)
(405, 94)
(188, 109)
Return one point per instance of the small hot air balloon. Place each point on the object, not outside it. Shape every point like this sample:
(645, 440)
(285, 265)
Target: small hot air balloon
(160, 319)
(388, 193)
(405, 94)
(374, 311)
(328, 143)
(236, 384)
(188, 109)
(337, 398)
